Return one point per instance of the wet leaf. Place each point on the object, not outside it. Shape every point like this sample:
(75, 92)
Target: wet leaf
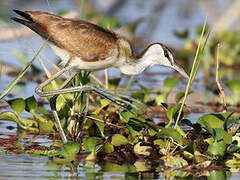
(161, 143)
(142, 166)
(180, 95)
(181, 34)
(31, 104)
(169, 83)
(17, 105)
(210, 121)
(221, 134)
(113, 83)
(162, 98)
(113, 167)
(217, 148)
(170, 132)
(70, 149)
(91, 143)
(108, 148)
(133, 129)
(233, 163)
(100, 125)
(172, 113)
(119, 140)
(234, 86)
(217, 175)
(10, 116)
(126, 115)
(142, 150)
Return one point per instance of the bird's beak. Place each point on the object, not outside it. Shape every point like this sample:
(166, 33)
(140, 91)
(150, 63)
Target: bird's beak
(180, 70)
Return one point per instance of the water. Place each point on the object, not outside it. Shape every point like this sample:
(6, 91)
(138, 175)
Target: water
(164, 17)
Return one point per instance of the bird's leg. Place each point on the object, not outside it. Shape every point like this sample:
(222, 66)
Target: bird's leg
(54, 111)
(106, 91)
(39, 91)
(107, 94)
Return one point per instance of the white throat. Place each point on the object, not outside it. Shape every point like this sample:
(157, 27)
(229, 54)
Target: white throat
(153, 55)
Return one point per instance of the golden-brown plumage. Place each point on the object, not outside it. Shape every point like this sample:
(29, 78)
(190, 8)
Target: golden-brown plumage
(80, 38)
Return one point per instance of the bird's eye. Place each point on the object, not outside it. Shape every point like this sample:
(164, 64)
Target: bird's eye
(166, 54)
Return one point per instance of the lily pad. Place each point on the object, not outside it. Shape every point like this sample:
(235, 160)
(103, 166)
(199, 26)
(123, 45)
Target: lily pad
(119, 140)
(217, 148)
(17, 105)
(142, 150)
(171, 132)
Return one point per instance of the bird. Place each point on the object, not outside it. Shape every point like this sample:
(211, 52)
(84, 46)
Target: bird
(82, 45)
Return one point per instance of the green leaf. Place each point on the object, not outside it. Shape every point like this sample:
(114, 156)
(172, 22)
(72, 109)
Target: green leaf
(233, 85)
(221, 134)
(161, 98)
(17, 105)
(70, 149)
(233, 163)
(9, 116)
(108, 148)
(172, 113)
(170, 132)
(119, 140)
(142, 150)
(91, 143)
(161, 143)
(100, 125)
(180, 95)
(113, 83)
(126, 115)
(31, 104)
(170, 83)
(217, 175)
(217, 148)
(133, 129)
(181, 34)
(210, 121)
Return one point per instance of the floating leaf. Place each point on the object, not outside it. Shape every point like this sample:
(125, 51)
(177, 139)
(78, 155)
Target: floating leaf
(221, 134)
(142, 166)
(70, 149)
(142, 150)
(91, 143)
(219, 175)
(233, 163)
(10, 116)
(210, 121)
(31, 104)
(180, 95)
(171, 132)
(108, 166)
(119, 140)
(161, 143)
(169, 83)
(234, 86)
(162, 98)
(108, 148)
(113, 83)
(17, 105)
(217, 148)
(172, 113)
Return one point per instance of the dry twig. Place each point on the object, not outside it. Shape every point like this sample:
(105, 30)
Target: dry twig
(217, 81)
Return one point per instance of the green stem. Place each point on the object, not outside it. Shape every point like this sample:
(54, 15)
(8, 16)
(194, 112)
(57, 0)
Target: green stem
(128, 84)
(193, 72)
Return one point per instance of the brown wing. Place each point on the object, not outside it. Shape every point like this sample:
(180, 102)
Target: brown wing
(81, 38)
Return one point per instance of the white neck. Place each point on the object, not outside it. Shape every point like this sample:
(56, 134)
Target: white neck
(137, 66)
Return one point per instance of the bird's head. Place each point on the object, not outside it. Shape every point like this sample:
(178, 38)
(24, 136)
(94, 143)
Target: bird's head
(159, 54)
